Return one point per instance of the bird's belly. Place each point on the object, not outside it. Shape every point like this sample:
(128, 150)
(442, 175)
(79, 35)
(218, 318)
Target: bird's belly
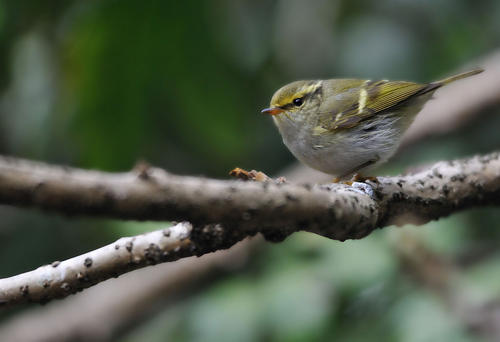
(345, 152)
(335, 159)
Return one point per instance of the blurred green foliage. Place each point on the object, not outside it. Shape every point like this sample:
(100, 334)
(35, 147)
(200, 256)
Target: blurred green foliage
(103, 84)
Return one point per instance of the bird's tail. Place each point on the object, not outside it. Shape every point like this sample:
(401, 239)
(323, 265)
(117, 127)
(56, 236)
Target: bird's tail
(458, 77)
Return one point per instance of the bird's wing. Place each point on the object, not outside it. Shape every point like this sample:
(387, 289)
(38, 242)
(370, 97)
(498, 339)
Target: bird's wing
(353, 101)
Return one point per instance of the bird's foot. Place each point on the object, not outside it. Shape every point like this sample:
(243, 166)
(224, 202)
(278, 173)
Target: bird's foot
(254, 175)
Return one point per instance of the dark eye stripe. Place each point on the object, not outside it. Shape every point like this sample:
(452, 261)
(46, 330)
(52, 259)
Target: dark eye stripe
(287, 106)
(303, 97)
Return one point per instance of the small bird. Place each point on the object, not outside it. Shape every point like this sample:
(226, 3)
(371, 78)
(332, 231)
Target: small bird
(345, 126)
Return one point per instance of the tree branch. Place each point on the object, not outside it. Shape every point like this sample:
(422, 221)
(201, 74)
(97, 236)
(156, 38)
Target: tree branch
(102, 313)
(242, 208)
(333, 210)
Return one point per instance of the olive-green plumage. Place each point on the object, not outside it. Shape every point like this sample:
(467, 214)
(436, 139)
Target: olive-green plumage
(343, 126)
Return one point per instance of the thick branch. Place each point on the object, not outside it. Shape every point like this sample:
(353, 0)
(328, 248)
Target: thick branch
(336, 211)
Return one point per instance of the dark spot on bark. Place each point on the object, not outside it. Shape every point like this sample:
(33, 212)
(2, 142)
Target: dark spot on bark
(82, 277)
(166, 232)
(291, 197)
(459, 178)
(25, 290)
(88, 262)
(129, 245)
(436, 173)
(446, 190)
(45, 283)
(117, 246)
(55, 264)
(153, 254)
(396, 196)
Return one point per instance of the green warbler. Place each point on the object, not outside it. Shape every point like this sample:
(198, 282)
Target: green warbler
(344, 126)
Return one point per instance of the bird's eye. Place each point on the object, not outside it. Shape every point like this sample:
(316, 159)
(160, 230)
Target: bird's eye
(298, 101)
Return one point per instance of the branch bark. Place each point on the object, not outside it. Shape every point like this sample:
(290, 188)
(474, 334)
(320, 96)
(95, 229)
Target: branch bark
(102, 313)
(333, 210)
(224, 212)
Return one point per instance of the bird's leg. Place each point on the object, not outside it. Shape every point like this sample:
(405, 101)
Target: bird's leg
(357, 177)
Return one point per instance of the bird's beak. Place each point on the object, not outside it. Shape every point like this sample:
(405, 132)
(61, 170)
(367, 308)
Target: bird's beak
(272, 110)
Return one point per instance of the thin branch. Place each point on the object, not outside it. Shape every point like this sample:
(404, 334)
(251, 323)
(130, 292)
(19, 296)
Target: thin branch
(59, 279)
(333, 210)
(102, 312)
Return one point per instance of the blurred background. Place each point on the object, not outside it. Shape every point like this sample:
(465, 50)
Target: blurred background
(104, 84)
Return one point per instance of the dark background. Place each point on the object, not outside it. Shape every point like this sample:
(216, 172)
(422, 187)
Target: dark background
(104, 84)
